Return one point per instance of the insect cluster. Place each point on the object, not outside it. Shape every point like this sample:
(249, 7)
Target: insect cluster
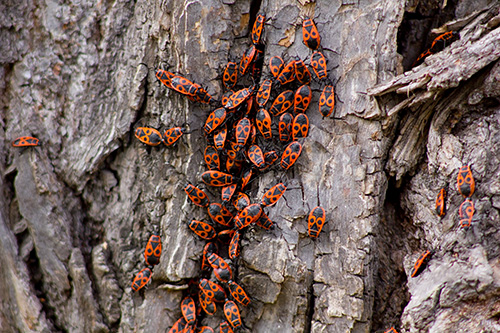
(465, 186)
(247, 136)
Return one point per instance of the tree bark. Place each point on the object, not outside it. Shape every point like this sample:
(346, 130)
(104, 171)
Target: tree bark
(76, 212)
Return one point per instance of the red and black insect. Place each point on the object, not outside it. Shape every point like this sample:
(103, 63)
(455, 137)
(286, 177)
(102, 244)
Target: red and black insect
(256, 69)
(326, 101)
(141, 279)
(165, 77)
(318, 64)
(287, 74)
(184, 86)
(213, 291)
(230, 76)
(302, 99)
(263, 93)
(197, 196)
(247, 59)
(270, 157)
(234, 246)
(282, 103)
(264, 221)
(232, 314)
(225, 327)
(152, 253)
(215, 119)
(222, 270)
(227, 192)
(273, 195)
(225, 97)
(220, 136)
(310, 34)
(245, 178)
(216, 178)
(316, 221)
(202, 229)
(247, 215)
(257, 29)
(291, 154)
(212, 158)
(202, 96)
(238, 293)
(205, 329)
(421, 263)
(438, 44)
(147, 135)
(207, 304)
(466, 212)
(440, 203)
(225, 236)
(29, 141)
(276, 65)
(300, 126)
(285, 127)
(465, 181)
(263, 121)
(188, 310)
(179, 326)
(241, 201)
(207, 250)
(243, 128)
(391, 330)
(239, 97)
(301, 72)
(220, 214)
(234, 165)
(172, 135)
(256, 156)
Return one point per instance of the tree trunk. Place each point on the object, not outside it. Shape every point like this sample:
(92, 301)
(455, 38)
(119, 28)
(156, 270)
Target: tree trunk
(77, 211)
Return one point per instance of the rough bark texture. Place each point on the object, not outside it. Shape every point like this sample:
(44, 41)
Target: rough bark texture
(75, 213)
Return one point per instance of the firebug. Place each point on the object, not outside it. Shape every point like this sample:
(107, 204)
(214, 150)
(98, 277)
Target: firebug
(287, 74)
(152, 253)
(222, 270)
(216, 178)
(301, 72)
(273, 195)
(215, 119)
(202, 229)
(263, 93)
(141, 279)
(318, 64)
(264, 221)
(316, 221)
(276, 65)
(258, 26)
(247, 215)
(197, 196)
(230, 75)
(234, 246)
(291, 154)
(440, 203)
(241, 201)
(465, 181)
(220, 214)
(172, 135)
(220, 136)
(243, 128)
(466, 212)
(326, 101)
(300, 126)
(188, 310)
(285, 127)
(227, 192)
(421, 263)
(238, 293)
(212, 158)
(282, 103)
(29, 141)
(302, 99)
(256, 156)
(147, 135)
(263, 121)
(310, 34)
(232, 314)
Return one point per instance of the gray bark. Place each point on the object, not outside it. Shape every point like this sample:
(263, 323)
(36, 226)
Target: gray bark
(76, 213)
